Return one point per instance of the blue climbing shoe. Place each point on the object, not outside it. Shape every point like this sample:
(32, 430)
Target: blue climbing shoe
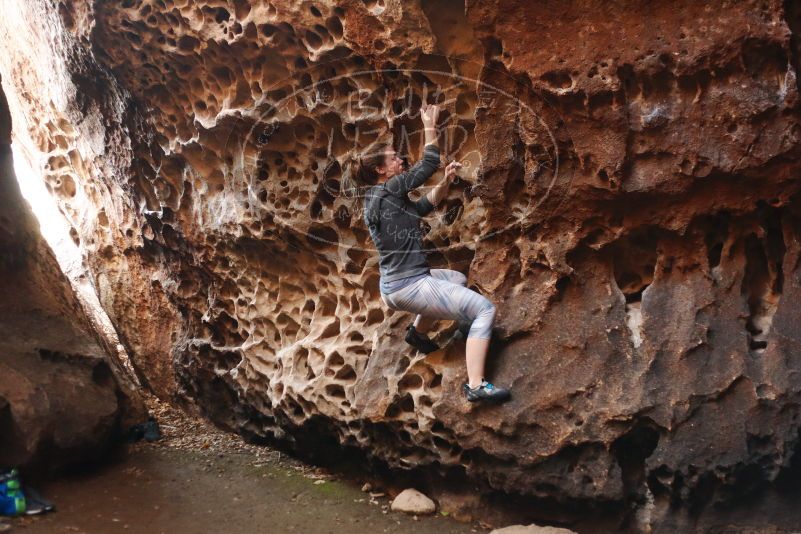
(486, 391)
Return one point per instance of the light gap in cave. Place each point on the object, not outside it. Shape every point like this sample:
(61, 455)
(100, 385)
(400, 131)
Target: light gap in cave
(55, 230)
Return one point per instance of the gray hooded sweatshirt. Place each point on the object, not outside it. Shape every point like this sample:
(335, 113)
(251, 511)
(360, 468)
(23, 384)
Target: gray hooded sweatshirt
(394, 220)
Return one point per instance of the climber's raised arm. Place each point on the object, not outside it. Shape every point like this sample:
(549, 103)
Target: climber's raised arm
(421, 171)
(429, 115)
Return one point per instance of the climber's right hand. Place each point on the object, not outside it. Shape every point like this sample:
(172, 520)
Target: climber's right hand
(429, 114)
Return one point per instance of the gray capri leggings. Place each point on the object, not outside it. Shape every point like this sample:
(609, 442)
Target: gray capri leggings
(443, 295)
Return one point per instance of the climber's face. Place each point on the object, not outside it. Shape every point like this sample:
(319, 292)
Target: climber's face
(393, 164)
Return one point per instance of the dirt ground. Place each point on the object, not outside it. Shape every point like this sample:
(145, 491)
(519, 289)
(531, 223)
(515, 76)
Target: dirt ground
(197, 479)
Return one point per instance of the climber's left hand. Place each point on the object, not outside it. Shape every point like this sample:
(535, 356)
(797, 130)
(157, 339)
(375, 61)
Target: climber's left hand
(450, 170)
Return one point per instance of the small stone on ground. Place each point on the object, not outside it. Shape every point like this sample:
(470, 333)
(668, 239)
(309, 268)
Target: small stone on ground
(412, 501)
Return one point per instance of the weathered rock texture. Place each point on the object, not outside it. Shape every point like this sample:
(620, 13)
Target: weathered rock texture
(632, 209)
(60, 403)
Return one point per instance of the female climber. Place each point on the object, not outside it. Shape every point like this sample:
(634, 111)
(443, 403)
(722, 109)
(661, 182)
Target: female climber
(407, 283)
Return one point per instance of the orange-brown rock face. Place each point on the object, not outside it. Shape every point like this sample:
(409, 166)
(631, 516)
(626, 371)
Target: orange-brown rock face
(630, 205)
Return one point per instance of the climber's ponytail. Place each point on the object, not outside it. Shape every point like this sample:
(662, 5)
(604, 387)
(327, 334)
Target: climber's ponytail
(361, 171)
